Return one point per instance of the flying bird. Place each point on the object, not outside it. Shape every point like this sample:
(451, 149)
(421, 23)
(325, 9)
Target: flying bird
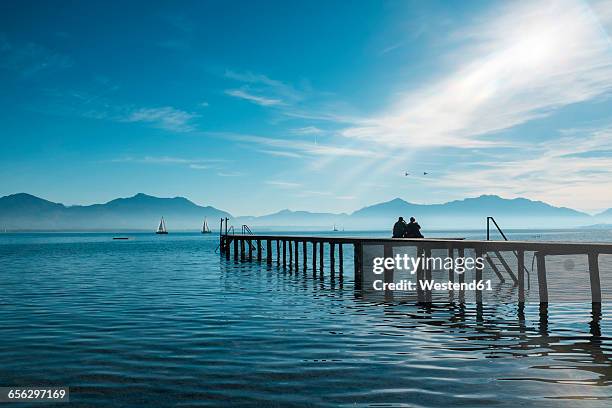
(425, 173)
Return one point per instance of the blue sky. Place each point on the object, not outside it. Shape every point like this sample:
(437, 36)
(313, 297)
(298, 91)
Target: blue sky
(258, 106)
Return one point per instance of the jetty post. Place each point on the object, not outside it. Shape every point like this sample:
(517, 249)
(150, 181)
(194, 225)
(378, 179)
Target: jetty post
(314, 258)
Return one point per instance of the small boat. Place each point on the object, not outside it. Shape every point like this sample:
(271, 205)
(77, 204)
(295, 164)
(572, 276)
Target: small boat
(162, 227)
(335, 229)
(120, 238)
(205, 228)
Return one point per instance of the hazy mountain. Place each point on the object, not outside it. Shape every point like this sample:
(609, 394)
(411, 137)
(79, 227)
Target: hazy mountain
(302, 219)
(472, 213)
(605, 216)
(25, 211)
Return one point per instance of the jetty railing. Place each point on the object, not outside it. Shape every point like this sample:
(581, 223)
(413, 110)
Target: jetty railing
(288, 255)
(503, 263)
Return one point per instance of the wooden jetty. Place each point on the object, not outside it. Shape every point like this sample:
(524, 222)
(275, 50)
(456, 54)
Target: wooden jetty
(285, 250)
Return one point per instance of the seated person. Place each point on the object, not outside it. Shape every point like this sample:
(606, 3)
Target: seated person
(399, 228)
(413, 229)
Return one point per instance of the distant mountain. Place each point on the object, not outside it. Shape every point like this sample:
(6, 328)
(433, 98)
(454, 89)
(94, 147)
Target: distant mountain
(302, 219)
(472, 213)
(25, 211)
(605, 215)
(468, 213)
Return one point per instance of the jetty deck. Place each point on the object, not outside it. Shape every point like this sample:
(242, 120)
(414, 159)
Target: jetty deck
(295, 250)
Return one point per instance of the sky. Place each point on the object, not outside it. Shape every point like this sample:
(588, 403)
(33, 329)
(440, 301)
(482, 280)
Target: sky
(254, 107)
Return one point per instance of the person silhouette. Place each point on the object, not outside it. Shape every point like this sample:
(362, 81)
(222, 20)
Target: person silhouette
(413, 229)
(399, 228)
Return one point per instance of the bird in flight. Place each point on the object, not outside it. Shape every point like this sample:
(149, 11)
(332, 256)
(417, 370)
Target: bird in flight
(425, 173)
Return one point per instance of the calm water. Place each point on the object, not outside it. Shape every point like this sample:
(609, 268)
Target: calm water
(164, 321)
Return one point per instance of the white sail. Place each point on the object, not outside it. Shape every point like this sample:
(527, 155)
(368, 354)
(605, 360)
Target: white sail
(205, 228)
(162, 226)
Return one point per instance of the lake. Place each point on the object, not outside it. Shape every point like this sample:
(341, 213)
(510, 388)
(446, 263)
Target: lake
(165, 321)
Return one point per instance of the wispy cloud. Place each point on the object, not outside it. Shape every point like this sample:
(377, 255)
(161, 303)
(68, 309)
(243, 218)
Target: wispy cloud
(30, 58)
(289, 147)
(193, 163)
(568, 172)
(262, 90)
(281, 153)
(259, 100)
(201, 166)
(230, 174)
(166, 117)
(283, 184)
(527, 60)
(307, 130)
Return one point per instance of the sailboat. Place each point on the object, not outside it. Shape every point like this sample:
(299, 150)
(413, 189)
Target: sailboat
(205, 229)
(162, 227)
(335, 229)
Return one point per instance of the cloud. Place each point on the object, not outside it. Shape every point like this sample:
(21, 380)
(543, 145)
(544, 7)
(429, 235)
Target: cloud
(570, 171)
(30, 58)
(201, 163)
(308, 130)
(201, 166)
(524, 62)
(166, 117)
(281, 153)
(230, 174)
(259, 100)
(283, 184)
(262, 90)
(291, 148)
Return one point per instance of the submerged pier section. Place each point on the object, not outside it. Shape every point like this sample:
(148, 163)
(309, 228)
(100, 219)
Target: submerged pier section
(297, 252)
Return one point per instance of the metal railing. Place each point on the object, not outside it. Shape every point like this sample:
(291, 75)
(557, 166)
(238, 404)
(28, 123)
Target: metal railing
(491, 219)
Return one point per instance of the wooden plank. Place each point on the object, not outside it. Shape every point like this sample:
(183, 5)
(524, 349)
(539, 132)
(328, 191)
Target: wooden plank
(420, 275)
(461, 254)
(428, 274)
(341, 260)
(284, 253)
(357, 260)
(278, 252)
(314, 258)
(321, 245)
(478, 277)
(451, 273)
(520, 255)
(259, 250)
(594, 275)
(235, 249)
(542, 284)
(332, 258)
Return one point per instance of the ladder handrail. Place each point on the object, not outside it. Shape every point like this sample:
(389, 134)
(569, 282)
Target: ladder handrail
(505, 239)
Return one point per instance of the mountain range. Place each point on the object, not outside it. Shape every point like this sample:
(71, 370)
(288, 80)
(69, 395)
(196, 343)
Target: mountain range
(27, 212)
